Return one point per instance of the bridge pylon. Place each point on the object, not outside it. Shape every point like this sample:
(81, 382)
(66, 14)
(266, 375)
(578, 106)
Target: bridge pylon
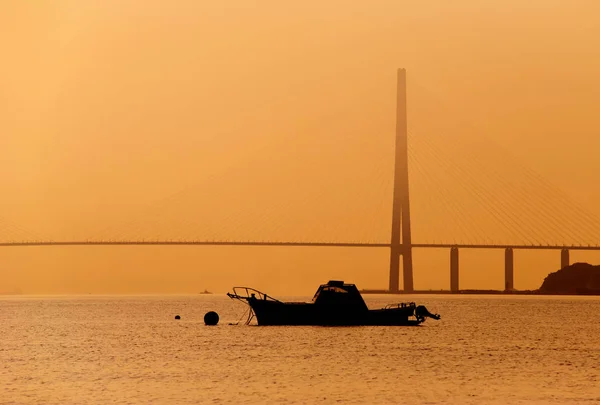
(401, 243)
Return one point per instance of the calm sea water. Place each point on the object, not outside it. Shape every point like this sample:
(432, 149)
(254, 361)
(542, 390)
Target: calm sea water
(131, 350)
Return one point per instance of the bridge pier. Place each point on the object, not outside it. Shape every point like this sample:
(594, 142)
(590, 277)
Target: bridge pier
(509, 281)
(564, 258)
(394, 286)
(406, 253)
(454, 269)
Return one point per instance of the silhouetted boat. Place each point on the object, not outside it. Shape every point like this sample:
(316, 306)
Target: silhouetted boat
(334, 303)
(205, 292)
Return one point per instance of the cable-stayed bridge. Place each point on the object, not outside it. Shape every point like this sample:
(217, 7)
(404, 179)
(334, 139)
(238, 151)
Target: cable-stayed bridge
(497, 201)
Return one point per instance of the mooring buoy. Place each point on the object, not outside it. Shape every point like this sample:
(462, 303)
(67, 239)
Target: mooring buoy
(211, 318)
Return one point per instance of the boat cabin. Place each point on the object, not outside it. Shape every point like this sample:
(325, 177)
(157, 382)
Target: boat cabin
(336, 293)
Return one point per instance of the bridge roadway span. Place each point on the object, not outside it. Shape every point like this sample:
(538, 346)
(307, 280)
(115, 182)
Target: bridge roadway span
(454, 248)
(305, 244)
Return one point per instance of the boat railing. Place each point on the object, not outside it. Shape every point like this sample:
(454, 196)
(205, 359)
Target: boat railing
(401, 305)
(247, 293)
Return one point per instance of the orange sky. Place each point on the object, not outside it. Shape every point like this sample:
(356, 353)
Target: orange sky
(227, 120)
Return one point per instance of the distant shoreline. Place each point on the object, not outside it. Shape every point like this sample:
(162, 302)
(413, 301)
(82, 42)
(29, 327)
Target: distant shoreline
(478, 292)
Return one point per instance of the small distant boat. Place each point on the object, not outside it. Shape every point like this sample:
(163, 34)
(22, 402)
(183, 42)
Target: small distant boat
(334, 304)
(205, 292)
(13, 292)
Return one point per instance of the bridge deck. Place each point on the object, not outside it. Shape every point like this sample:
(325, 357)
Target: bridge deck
(305, 244)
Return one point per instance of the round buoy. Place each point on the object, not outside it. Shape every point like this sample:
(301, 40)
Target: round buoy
(211, 318)
(177, 317)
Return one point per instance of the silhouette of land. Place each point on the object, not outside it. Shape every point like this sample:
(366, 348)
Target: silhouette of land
(577, 279)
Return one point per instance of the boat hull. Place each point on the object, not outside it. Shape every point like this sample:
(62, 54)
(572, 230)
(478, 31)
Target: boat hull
(288, 313)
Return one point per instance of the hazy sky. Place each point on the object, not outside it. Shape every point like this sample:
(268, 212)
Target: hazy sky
(230, 120)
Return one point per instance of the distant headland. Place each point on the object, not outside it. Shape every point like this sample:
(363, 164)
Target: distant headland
(576, 279)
